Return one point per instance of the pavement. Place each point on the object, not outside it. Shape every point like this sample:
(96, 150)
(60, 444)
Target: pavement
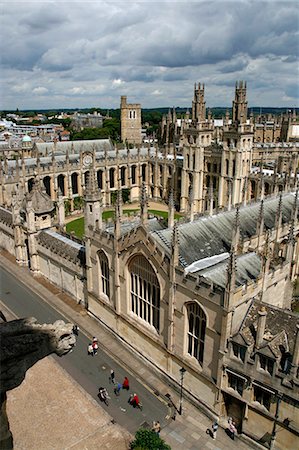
(189, 430)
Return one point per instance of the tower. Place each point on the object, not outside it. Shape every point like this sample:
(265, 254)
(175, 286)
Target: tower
(240, 103)
(199, 104)
(93, 207)
(130, 121)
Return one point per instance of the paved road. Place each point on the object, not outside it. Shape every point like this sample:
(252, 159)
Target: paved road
(90, 372)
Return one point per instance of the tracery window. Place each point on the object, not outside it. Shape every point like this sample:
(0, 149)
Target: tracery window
(196, 331)
(145, 291)
(104, 268)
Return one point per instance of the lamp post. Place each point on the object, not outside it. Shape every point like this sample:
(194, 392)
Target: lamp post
(182, 370)
(273, 435)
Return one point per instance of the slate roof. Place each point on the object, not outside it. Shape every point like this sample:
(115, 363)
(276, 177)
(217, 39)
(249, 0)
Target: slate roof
(248, 268)
(5, 216)
(41, 202)
(74, 146)
(209, 236)
(153, 224)
(281, 328)
(62, 246)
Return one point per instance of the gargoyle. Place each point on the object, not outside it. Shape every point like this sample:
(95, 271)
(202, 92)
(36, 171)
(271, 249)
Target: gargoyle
(23, 342)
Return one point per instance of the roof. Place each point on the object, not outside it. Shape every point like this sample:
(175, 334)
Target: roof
(280, 330)
(62, 246)
(41, 202)
(74, 146)
(248, 268)
(209, 236)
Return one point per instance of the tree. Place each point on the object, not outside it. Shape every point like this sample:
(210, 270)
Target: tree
(148, 440)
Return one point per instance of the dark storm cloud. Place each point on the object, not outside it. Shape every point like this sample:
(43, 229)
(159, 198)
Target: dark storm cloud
(72, 49)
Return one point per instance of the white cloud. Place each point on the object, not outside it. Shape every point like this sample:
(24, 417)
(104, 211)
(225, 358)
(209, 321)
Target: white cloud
(150, 51)
(40, 90)
(117, 82)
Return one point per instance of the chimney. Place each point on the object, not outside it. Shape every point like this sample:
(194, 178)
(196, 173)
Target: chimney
(261, 325)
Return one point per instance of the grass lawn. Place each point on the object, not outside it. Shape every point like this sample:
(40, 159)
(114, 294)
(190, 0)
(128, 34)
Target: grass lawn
(77, 225)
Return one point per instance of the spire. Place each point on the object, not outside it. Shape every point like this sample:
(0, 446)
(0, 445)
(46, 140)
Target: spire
(211, 199)
(260, 220)
(191, 199)
(230, 276)
(171, 210)
(295, 208)
(175, 246)
(117, 220)
(143, 205)
(236, 232)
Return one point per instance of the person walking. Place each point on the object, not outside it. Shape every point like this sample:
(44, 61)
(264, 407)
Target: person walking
(90, 349)
(126, 384)
(232, 429)
(214, 429)
(76, 330)
(117, 389)
(156, 427)
(134, 400)
(95, 346)
(112, 377)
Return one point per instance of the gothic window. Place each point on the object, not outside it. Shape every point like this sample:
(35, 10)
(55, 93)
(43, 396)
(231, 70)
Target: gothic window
(74, 181)
(262, 397)
(266, 364)
(104, 274)
(123, 176)
(47, 184)
(236, 383)
(111, 177)
(196, 331)
(227, 166)
(239, 351)
(143, 172)
(145, 291)
(60, 182)
(100, 179)
(234, 168)
(133, 174)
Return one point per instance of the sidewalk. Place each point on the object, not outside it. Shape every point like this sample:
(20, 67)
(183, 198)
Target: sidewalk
(187, 431)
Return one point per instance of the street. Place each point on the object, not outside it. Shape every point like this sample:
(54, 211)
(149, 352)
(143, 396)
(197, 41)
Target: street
(90, 372)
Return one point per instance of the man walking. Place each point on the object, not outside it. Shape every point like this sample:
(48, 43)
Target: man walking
(214, 429)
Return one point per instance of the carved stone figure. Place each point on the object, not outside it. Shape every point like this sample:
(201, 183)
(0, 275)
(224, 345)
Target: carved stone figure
(23, 342)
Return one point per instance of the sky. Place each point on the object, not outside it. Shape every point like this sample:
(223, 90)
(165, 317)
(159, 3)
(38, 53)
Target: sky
(81, 54)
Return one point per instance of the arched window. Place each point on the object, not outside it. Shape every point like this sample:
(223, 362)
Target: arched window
(104, 275)
(196, 331)
(145, 291)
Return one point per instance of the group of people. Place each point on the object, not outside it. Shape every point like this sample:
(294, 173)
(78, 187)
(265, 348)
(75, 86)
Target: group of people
(231, 430)
(93, 347)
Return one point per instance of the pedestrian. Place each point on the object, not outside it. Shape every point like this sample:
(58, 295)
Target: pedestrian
(90, 349)
(156, 427)
(95, 346)
(214, 429)
(117, 389)
(232, 429)
(126, 384)
(76, 330)
(134, 400)
(112, 377)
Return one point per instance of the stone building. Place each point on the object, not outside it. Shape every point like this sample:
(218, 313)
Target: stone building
(130, 121)
(211, 293)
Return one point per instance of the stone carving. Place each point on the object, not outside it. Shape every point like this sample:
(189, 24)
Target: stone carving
(23, 342)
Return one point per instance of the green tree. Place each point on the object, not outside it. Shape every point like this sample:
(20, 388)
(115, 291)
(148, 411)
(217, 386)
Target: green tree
(148, 440)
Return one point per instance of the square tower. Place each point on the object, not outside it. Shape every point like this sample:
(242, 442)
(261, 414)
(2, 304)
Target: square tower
(130, 121)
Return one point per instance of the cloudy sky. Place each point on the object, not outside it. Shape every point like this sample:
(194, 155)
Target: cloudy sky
(69, 54)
